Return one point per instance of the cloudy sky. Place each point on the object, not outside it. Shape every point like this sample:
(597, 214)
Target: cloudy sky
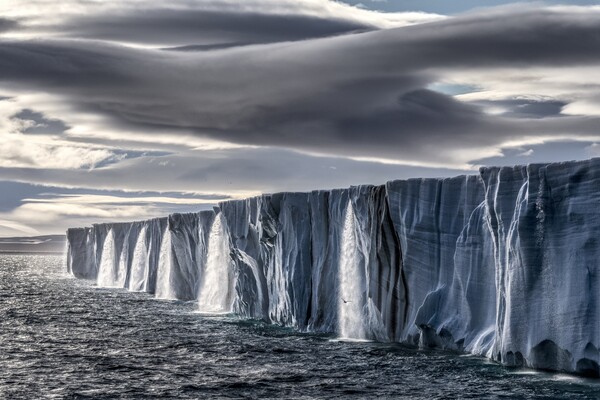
(122, 110)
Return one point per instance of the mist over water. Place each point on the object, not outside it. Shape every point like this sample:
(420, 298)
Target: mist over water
(66, 338)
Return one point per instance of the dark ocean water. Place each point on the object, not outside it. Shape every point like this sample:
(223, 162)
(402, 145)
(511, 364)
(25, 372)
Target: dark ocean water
(65, 338)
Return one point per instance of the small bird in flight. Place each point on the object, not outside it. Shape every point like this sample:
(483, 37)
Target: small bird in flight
(345, 302)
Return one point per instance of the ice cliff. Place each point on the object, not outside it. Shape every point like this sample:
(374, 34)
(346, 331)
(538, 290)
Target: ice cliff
(505, 264)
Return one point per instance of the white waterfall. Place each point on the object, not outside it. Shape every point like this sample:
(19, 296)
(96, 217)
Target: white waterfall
(350, 294)
(163, 278)
(138, 280)
(215, 291)
(121, 272)
(106, 271)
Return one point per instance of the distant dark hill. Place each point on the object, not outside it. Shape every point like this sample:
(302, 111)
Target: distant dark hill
(37, 244)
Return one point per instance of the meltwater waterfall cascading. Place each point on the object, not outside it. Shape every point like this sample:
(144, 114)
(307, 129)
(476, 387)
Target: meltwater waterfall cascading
(215, 294)
(138, 279)
(351, 291)
(359, 318)
(503, 264)
(108, 271)
(164, 289)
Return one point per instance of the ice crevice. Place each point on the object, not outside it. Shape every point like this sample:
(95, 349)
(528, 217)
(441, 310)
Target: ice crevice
(503, 264)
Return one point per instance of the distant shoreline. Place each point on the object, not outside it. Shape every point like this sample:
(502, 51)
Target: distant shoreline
(40, 245)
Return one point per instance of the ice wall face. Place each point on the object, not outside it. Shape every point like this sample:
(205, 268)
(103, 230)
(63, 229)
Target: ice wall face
(504, 264)
(183, 249)
(448, 265)
(80, 253)
(545, 223)
(271, 250)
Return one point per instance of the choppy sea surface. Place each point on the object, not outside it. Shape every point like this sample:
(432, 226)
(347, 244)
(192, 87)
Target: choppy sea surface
(66, 338)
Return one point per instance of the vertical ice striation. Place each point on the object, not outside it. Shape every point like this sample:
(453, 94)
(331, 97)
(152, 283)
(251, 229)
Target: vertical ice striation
(157, 229)
(503, 264)
(545, 222)
(80, 253)
(447, 265)
(271, 254)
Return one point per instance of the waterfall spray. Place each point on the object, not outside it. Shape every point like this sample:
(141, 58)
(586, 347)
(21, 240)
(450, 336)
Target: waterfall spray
(350, 301)
(163, 279)
(138, 280)
(121, 271)
(106, 272)
(215, 290)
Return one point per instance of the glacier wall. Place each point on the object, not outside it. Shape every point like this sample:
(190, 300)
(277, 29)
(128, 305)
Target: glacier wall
(504, 264)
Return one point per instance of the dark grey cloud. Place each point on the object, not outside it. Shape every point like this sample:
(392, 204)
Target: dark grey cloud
(69, 64)
(40, 124)
(184, 27)
(356, 95)
(7, 24)
(508, 36)
(208, 47)
(14, 192)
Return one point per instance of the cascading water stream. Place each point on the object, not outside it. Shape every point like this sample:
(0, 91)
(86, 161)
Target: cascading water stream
(106, 271)
(163, 279)
(121, 272)
(350, 301)
(138, 281)
(215, 291)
